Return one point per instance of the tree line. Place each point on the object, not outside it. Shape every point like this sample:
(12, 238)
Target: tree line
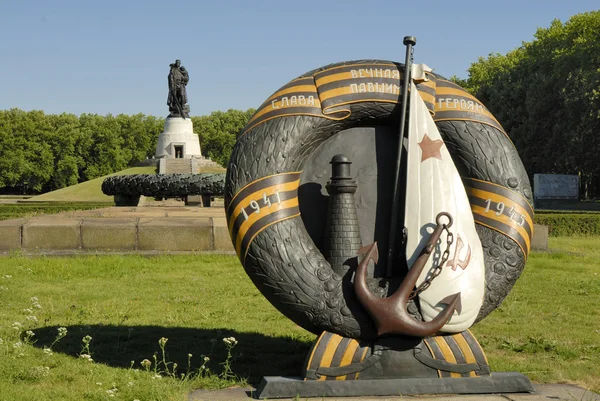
(42, 152)
(546, 94)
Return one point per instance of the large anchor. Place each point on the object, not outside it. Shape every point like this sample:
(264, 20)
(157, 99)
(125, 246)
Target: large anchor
(390, 314)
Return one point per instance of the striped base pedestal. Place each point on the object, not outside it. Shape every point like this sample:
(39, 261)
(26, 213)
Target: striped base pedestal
(342, 367)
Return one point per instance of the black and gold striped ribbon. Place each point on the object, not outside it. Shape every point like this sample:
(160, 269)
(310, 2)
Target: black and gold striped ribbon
(332, 351)
(454, 103)
(260, 204)
(328, 92)
(501, 209)
(299, 97)
(461, 348)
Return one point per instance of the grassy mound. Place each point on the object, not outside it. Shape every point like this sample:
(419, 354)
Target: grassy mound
(89, 191)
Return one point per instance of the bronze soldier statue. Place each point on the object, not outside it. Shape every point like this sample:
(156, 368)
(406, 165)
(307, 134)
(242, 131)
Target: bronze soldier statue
(178, 79)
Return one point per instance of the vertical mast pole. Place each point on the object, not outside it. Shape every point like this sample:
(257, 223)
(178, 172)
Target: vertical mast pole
(409, 42)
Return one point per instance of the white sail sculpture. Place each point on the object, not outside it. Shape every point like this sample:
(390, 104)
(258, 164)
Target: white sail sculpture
(433, 186)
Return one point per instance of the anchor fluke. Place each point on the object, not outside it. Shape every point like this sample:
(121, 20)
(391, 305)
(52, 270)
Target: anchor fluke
(390, 314)
(454, 302)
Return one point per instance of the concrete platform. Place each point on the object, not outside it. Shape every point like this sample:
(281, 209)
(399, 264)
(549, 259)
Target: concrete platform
(146, 229)
(544, 392)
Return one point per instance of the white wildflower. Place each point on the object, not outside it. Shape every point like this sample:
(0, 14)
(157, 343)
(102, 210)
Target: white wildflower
(17, 325)
(32, 318)
(162, 342)
(130, 384)
(206, 359)
(62, 331)
(34, 299)
(29, 334)
(146, 363)
(41, 371)
(48, 351)
(37, 305)
(17, 345)
(99, 383)
(86, 357)
(230, 341)
(156, 376)
(28, 310)
(7, 276)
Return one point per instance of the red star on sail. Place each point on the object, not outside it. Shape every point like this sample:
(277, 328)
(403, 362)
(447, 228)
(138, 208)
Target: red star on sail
(430, 148)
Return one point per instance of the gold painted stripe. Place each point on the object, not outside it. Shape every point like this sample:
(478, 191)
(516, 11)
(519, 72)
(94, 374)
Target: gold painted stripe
(293, 89)
(328, 354)
(347, 358)
(466, 350)
(346, 90)
(290, 216)
(314, 349)
(448, 355)
(473, 338)
(269, 108)
(480, 193)
(432, 355)
(427, 97)
(362, 358)
(257, 196)
(504, 220)
(269, 179)
(497, 188)
(265, 211)
(347, 75)
(446, 92)
(367, 65)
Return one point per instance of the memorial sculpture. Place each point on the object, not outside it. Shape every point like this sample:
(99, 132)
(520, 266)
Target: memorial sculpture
(179, 157)
(177, 100)
(447, 201)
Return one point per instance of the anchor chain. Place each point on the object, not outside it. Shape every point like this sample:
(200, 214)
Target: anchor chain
(438, 269)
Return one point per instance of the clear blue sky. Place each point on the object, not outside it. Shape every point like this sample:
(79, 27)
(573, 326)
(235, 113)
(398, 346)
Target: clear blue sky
(109, 56)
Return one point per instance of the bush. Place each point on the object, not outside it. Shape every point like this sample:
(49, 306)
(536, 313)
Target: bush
(569, 224)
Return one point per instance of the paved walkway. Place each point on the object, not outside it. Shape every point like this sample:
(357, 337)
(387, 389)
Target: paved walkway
(169, 227)
(544, 392)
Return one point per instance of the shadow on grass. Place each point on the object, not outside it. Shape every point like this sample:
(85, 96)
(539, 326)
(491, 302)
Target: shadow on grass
(255, 355)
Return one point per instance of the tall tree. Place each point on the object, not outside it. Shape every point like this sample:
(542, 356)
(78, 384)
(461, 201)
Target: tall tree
(218, 132)
(546, 94)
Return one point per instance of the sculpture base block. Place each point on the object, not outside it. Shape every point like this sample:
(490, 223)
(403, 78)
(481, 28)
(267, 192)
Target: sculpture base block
(288, 387)
(178, 139)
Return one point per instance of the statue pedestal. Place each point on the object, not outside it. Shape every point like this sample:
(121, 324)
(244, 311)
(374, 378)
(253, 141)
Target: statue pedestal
(178, 140)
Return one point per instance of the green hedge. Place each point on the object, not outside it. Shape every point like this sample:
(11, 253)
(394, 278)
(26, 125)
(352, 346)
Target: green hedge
(567, 224)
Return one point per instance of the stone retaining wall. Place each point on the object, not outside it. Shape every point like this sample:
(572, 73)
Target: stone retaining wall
(115, 234)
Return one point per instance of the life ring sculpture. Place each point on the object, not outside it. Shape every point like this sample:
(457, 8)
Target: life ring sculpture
(265, 173)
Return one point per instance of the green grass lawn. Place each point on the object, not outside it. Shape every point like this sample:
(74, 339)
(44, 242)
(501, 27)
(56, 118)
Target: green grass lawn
(548, 328)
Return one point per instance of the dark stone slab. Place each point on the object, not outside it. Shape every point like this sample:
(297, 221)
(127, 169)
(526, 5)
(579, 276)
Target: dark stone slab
(286, 387)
